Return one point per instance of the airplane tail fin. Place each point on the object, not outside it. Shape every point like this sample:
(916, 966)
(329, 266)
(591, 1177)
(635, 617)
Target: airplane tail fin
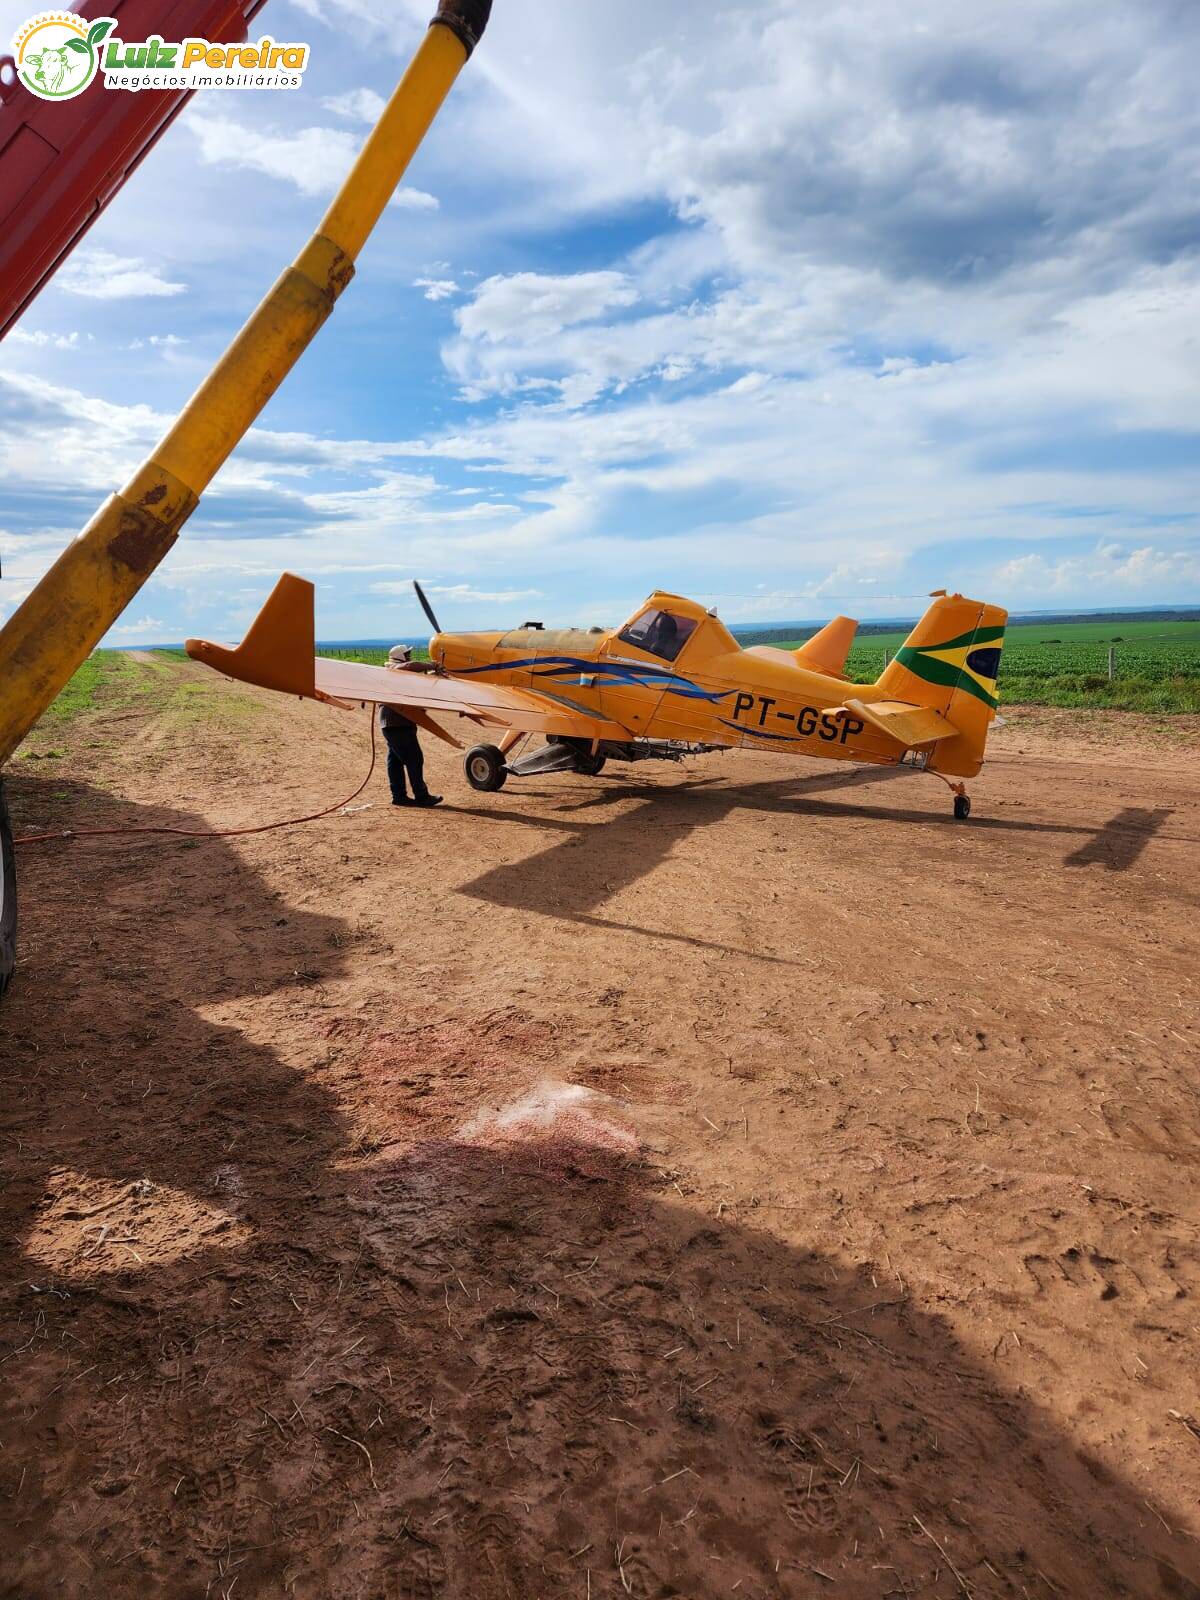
(949, 663)
(828, 648)
(279, 650)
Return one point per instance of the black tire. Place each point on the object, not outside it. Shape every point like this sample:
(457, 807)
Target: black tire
(591, 766)
(962, 807)
(8, 899)
(485, 769)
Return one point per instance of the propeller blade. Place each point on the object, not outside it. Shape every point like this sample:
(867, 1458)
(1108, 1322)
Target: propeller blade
(426, 607)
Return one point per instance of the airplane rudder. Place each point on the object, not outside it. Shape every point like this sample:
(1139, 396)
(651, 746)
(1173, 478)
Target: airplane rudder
(976, 696)
(950, 662)
(279, 647)
(922, 679)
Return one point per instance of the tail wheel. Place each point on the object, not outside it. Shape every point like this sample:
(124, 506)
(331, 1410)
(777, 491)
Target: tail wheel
(8, 899)
(485, 769)
(962, 807)
(591, 766)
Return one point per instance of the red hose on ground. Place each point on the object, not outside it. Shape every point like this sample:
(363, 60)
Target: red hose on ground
(206, 833)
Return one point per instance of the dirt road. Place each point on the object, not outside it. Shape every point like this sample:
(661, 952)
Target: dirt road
(731, 1179)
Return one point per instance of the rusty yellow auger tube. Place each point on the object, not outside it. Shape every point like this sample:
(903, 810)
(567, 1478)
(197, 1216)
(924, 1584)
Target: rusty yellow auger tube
(95, 578)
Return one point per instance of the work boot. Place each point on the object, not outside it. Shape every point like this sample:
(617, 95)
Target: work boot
(428, 800)
(401, 800)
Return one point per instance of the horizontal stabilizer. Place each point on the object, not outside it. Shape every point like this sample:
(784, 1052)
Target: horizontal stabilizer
(828, 648)
(910, 725)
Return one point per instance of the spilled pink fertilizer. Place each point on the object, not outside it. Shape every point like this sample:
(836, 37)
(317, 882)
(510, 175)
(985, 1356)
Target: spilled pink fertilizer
(563, 1129)
(551, 1109)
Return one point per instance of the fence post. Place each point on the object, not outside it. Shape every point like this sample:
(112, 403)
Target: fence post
(1112, 662)
(886, 659)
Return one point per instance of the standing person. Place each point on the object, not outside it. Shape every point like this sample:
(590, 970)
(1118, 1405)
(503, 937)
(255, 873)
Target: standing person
(404, 747)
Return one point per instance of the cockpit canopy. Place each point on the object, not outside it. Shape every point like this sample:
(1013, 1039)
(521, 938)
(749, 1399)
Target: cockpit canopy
(659, 632)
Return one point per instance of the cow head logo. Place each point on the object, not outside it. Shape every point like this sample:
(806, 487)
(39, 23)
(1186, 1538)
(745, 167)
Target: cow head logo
(58, 53)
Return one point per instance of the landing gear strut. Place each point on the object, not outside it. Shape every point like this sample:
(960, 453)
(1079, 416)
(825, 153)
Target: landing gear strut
(962, 800)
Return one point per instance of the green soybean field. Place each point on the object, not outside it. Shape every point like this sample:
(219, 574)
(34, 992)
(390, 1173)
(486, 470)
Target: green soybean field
(1156, 665)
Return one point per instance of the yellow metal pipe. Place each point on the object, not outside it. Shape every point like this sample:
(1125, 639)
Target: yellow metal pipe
(91, 583)
(360, 203)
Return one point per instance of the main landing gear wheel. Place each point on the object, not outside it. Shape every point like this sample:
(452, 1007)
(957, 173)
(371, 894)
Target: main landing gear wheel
(591, 766)
(962, 807)
(8, 899)
(485, 769)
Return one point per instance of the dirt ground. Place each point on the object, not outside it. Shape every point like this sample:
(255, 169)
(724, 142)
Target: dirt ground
(727, 1179)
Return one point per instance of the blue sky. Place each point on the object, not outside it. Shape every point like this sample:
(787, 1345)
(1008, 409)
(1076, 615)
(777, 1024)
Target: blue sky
(806, 309)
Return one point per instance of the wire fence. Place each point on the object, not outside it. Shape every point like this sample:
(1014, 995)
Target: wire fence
(370, 655)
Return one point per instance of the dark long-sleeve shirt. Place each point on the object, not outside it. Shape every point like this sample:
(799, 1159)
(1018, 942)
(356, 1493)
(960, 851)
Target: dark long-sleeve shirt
(392, 716)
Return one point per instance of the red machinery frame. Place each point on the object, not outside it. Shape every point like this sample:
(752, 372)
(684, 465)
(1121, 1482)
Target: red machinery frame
(61, 163)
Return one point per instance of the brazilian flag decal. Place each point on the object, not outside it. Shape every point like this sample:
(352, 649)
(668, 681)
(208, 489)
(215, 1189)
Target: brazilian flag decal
(971, 663)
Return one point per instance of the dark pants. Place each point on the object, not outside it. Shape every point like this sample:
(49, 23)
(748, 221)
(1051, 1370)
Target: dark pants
(404, 756)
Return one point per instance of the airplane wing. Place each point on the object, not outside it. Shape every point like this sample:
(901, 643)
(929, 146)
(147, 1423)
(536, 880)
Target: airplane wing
(497, 704)
(279, 652)
(910, 724)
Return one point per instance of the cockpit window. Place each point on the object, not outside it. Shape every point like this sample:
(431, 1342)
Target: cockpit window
(659, 632)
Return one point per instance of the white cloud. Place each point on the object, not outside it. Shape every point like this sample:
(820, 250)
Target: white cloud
(1146, 571)
(748, 383)
(41, 422)
(457, 591)
(313, 160)
(930, 141)
(436, 288)
(146, 628)
(356, 105)
(101, 275)
(533, 330)
(535, 304)
(40, 340)
(12, 595)
(158, 341)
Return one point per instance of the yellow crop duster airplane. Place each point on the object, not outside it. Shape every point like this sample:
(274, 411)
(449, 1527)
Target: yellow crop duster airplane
(672, 682)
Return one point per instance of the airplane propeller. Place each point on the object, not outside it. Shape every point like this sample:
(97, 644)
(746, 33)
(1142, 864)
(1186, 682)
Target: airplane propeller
(426, 607)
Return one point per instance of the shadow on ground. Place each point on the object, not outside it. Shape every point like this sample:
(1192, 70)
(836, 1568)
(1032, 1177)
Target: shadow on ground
(595, 859)
(1121, 840)
(432, 1367)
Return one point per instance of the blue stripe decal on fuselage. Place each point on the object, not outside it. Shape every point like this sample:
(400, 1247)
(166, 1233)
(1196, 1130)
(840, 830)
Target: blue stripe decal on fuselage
(757, 733)
(565, 668)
